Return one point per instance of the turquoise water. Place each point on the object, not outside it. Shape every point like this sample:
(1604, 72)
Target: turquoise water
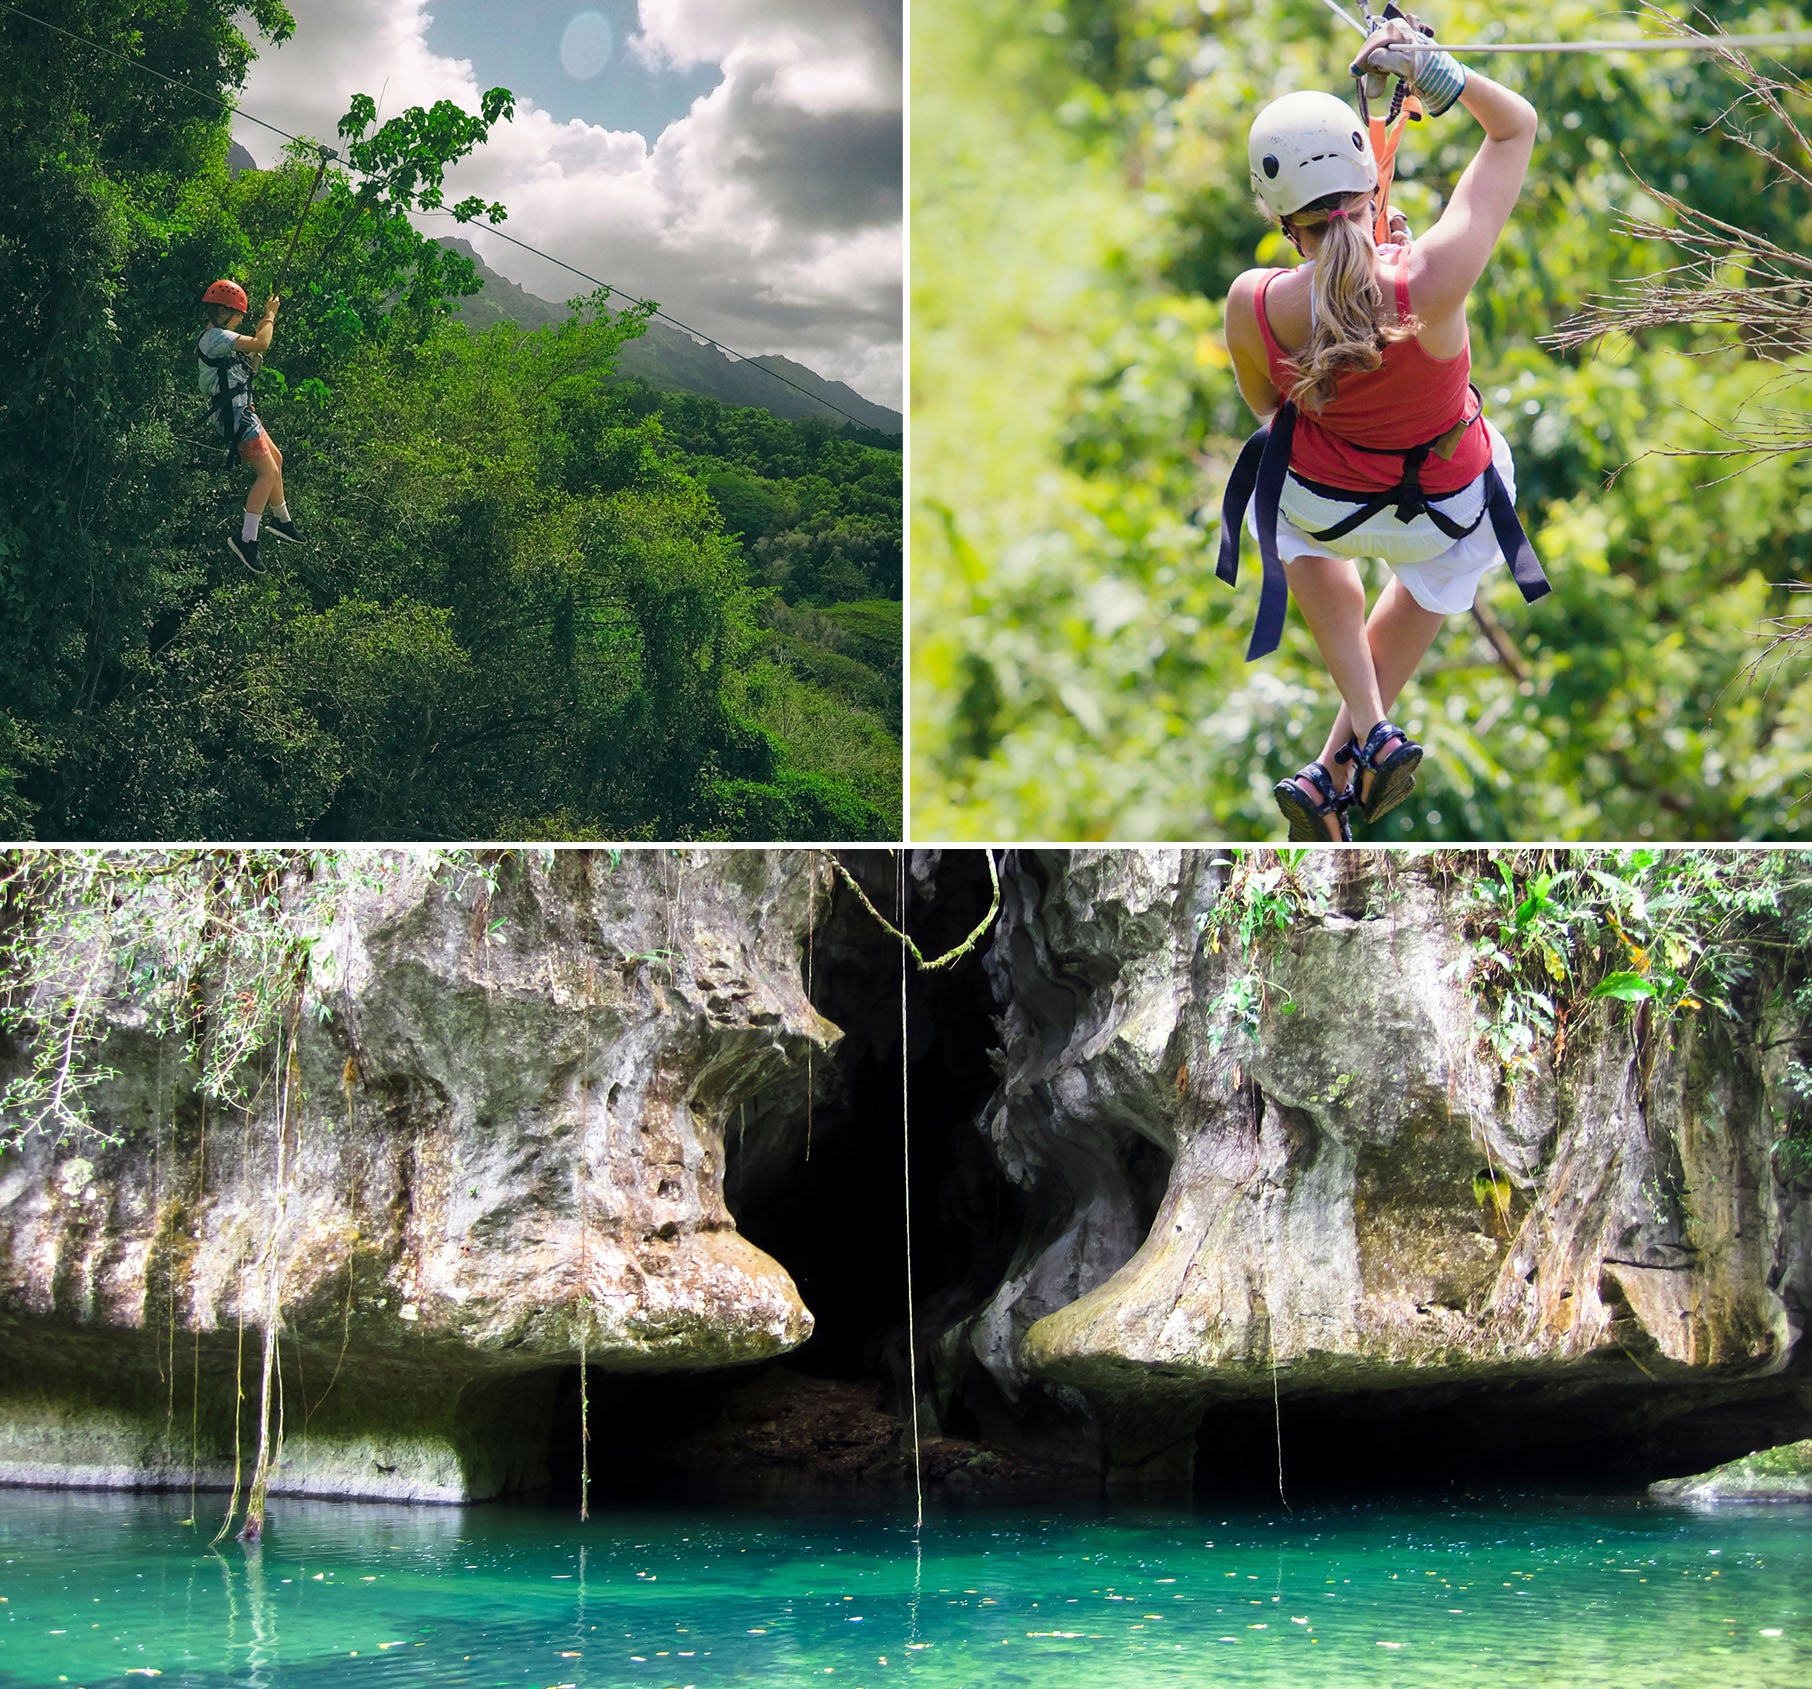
(1616, 1595)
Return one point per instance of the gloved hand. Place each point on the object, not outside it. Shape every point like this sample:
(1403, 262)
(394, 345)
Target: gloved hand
(1384, 50)
(1397, 49)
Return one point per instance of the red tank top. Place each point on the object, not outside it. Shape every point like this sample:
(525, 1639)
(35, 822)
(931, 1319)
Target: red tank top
(1409, 398)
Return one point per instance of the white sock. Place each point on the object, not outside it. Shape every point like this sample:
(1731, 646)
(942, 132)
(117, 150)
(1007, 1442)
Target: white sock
(250, 530)
(281, 511)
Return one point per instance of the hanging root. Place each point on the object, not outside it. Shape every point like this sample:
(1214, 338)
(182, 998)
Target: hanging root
(912, 1332)
(584, 1417)
(957, 951)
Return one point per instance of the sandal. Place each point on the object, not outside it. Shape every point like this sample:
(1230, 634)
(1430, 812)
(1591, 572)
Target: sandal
(1393, 779)
(1305, 817)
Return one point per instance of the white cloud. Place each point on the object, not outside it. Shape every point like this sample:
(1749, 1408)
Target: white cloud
(692, 32)
(769, 216)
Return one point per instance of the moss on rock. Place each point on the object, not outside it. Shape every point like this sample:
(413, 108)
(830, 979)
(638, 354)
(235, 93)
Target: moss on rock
(1783, 1473)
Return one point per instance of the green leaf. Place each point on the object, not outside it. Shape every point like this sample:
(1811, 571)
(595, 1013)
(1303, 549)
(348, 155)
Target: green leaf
(1625, 987)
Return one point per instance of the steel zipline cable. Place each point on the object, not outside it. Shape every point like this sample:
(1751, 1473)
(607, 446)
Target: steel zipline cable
(327, 153)
(1690, 42)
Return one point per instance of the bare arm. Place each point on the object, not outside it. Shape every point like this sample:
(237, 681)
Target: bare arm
(1453, 254)
(261, 341)
(1246, 347)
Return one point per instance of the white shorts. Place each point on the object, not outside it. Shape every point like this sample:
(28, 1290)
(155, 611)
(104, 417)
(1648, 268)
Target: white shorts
(1441, 574)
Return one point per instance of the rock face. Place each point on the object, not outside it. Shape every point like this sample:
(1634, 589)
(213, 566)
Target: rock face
(1218, 1176)
(1770, 1475)
(1357, 1198)
(501, 1146)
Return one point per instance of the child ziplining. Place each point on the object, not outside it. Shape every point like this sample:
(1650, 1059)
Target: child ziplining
(1374, 442)
(226, 377)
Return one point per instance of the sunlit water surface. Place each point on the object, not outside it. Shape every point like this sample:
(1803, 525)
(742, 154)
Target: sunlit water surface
(1616, 1595)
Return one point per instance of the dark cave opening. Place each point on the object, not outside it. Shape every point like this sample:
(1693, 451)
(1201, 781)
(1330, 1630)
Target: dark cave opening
(823, 1195)
(835, 1216)
(1477, 1439)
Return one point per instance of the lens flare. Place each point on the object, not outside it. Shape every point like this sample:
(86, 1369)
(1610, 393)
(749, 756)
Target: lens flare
(586, 46)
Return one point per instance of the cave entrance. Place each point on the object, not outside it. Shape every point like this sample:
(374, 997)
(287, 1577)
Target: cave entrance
(835, 1217)
(1474, 1439)
(821, 1191)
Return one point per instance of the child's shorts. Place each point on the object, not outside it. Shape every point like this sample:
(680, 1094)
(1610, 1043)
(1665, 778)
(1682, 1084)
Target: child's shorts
(1441, 574)
(254, 443)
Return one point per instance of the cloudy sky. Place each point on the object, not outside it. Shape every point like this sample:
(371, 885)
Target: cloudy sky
(736, 160)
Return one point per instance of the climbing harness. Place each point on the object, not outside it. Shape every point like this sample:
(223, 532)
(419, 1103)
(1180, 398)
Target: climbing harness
(231, 407)
(1264, 462)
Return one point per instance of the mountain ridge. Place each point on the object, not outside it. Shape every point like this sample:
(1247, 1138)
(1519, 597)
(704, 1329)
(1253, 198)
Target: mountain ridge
(671, 358)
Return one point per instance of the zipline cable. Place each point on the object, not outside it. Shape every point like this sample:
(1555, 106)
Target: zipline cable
(1646, 44)
(328, 153)
(1692, 42)
(1345, 16)
(585, 275)
(308, 199)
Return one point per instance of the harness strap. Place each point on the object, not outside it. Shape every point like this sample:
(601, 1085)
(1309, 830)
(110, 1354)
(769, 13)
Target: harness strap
(1385, 139)
(1408, 496)
(1512, 541)
(1260, 471)
(1263, 463)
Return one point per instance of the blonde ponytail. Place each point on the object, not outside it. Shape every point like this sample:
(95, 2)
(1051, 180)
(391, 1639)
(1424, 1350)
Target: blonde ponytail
(1349, 323)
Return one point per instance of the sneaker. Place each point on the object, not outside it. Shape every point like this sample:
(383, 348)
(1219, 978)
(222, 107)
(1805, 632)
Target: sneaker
(283, 530)
(247, 553)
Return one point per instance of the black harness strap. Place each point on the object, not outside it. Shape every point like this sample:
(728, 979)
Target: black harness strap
(1264, 464)
(1512, 541)
(230, 422)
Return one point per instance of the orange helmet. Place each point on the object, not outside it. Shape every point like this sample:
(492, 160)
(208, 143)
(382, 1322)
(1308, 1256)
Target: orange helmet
(228, 293)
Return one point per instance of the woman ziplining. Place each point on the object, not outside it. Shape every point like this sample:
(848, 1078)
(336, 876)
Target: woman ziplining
(1373, 441)
(226, 377)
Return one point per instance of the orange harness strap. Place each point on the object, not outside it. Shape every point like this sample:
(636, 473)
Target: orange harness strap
(1384, 148)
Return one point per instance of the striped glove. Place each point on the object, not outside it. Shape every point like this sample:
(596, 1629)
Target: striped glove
(1435, 77)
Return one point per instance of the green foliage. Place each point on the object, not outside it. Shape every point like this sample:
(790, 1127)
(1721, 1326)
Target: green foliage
(518, 611)
(1081, 205)
(1793, 1148)
(816, 508)
(1664, 933)
(1263, 897)
(215, 950)
(197, 943)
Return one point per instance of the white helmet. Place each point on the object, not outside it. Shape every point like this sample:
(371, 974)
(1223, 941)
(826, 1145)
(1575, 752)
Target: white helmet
(1306, 145)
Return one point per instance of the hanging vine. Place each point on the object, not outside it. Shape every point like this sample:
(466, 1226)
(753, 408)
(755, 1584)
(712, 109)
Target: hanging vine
(217, 954)
(956, 952)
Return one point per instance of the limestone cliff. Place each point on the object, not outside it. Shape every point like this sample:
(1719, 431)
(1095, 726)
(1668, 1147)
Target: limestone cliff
(1359, 1196)
(503, 1141)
